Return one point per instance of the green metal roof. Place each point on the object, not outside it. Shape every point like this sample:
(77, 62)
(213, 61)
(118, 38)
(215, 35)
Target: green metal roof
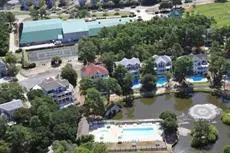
(96, 26)
(42, 30)
(74, 25)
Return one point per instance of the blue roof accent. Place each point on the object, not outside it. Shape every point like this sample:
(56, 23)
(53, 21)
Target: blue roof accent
(74, 25)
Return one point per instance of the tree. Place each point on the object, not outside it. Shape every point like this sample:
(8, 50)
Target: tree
(22, 116)
(10, 58)
(167, 114)
(3, 2)
(87, 50)
(34, 93)
(100, 148)
(108, 86)
(226, 118)
(64, 131)
(227, 149)
(34, 13)
(12, 70)
(203, 133)
(148, 67)
(94, 101)
(56, 61)
(108, 59)
(4, 30)
(3, 126)
(127, 89)
(69, 74)
(176, 2)
(9, 91)
(4, 147)
(116, 2)
(220, 1)
(82, 150)
(217, 68)
(182, 67)
(20, 137)
(85, 139)
(169, 123)
(85, 84)
(148, 82)
(119, 74)
(79, 13)
(165, 5)
(62, 146)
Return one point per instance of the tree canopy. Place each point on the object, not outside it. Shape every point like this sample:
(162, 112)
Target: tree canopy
(70, 74)
(9, 91)
(95, 102)
(203, 133)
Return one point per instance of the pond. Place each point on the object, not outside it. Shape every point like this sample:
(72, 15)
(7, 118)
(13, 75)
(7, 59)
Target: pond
(152, 107)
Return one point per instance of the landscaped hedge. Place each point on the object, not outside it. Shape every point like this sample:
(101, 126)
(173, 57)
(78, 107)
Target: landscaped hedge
(226, 118)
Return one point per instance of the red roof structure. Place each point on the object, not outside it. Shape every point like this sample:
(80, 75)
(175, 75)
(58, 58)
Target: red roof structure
(93, 70)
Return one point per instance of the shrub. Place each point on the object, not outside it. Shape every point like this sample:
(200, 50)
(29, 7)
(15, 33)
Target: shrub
(124, 16)
(105, 14)
(226, 118)
(56, 61)
(18, 50)
(169, 123)
(203, 134)
(117, 13)
(227, 149)
(32, 65)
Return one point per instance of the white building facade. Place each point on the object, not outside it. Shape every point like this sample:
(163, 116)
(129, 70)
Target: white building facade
(163, 64)
(200, 64)
(133, 65)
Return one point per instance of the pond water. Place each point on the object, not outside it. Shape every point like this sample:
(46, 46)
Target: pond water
(152, 107)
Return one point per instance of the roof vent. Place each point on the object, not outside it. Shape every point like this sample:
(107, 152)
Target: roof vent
(120, 20)
(99, 22)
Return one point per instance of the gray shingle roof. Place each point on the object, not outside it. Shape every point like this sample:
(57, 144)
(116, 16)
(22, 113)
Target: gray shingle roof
(51, 83)
(126, 61)
(12, 105)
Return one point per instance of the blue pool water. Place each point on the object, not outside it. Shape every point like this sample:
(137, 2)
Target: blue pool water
(136, 133)
(161, 80)
(197, 77)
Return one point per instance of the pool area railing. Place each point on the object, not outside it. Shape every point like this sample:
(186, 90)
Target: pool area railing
(139, 146)
(117, 122)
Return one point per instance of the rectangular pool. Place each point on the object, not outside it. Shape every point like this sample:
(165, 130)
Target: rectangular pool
(136, 133)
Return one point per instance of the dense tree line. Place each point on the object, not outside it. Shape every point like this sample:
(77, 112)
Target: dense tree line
(6, 20)
(144, 39)
(39, 126)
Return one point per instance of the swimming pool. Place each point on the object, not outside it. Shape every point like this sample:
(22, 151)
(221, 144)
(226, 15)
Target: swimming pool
(137, 133)
(161, 80)
(197, 77)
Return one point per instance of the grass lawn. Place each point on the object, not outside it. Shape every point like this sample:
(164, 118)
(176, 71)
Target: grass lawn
(220, 12)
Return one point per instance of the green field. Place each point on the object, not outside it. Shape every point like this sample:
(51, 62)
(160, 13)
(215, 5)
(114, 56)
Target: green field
(220, 12)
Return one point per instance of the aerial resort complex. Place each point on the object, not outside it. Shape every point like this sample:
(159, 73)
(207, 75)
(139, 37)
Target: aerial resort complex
(106, 76)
